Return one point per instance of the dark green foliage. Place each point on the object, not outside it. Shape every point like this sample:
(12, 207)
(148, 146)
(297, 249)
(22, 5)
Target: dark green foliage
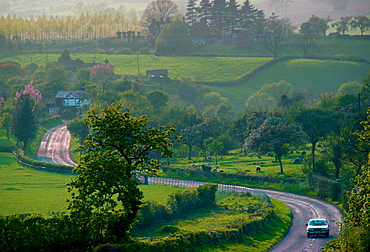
(326, 188)
(24, 125)
(174, 39)
(65, 55)
(11, 68)
(105, 197)
(207, 195)
(29, 232)
(179, 205)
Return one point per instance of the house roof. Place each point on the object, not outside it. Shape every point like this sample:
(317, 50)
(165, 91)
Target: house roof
(78, 94)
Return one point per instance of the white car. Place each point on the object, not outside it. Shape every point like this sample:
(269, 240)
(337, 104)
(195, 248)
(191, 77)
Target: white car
(317, 227)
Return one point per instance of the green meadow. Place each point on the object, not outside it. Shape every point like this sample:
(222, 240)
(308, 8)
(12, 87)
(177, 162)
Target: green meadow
(25, 190)
(315, 76)
(206, 69)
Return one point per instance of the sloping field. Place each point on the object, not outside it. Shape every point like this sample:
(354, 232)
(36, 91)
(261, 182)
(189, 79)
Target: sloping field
(198, 68)
(315, 76)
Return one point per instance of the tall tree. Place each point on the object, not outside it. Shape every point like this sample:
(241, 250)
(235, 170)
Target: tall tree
(191, 12)
(317, 123)
(360, 22)
(25, 123)
(204, 11)
(158, 10)
(174, 39)
(342, 25)
(278, 35)
(218, 16)
(276, 135)
(248, 15)
(232, 15)
(105, 196)
(306, 40)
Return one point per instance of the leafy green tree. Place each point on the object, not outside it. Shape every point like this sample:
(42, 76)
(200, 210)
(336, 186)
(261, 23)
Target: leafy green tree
(121, 85)
(355, 233)
(78, 128)
(158, 98)
(276, 135)
(269, 95)
(306, 40)
(84, 74)
(52, 79)
(360, 22)
(11, 68)
(105, 197)
(349, 88)
(24, 123)
(317, 123)
(215, 147)
(319, 25)
(174, 39)
(7, 123)
(342, 25)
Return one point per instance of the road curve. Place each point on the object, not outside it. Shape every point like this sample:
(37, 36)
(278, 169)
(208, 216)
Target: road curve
(55, 145)
(303, 208)
(54, 148)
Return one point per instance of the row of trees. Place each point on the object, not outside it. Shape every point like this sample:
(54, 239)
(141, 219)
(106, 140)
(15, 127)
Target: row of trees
(86, 25)
(225, 16)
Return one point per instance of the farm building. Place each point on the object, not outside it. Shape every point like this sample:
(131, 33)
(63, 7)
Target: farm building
(157, 75)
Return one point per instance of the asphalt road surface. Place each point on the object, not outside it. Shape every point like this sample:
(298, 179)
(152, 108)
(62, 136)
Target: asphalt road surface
(54, 148)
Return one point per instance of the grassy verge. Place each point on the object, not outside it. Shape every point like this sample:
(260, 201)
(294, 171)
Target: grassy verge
(262, 240)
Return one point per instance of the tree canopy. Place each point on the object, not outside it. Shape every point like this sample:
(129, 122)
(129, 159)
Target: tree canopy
(174, 39)
(105, 197)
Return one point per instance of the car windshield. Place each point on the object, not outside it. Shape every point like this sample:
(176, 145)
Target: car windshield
(317, 222)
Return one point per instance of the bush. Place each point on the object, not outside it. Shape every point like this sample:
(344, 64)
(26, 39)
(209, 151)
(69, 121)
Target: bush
(125, 51)
(23, 159)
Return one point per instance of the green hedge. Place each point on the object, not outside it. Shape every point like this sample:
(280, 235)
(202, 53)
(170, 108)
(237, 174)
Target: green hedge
(23, 159)
(178, 205)
(189, 241)
(326, 188)
(245, 178)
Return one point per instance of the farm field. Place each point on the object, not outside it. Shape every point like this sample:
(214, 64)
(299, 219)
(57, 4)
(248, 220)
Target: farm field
(247, 165)
(206, 69)
(315, 76)
(25, 190)
(324, 46)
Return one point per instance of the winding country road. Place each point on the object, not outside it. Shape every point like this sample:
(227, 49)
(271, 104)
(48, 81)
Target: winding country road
(54, 148)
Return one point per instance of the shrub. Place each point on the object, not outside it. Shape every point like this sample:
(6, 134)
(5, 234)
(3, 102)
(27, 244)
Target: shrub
(125, 51)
